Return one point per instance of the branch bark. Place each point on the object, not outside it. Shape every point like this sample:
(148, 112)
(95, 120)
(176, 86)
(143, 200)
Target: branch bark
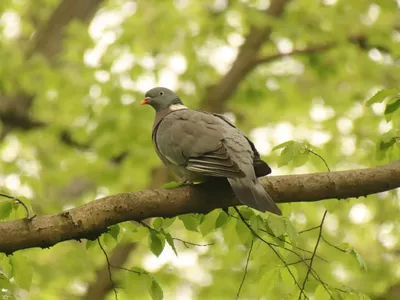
(92, 219)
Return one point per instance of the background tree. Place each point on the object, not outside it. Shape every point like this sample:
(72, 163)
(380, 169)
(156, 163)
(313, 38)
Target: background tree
(71, 75)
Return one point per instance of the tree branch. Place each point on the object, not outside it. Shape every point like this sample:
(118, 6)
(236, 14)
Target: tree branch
(102, 284)
(14, 109)
(360, 40)
(245, 61)
(92, 219)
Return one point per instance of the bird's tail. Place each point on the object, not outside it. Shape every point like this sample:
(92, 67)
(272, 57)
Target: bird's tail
(251, 192)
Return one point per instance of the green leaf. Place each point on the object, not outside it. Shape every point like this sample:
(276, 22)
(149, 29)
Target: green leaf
(4, 283)
(292, 232)
(286, 276)
(156, 242)
(172, 185)
(268, 280)
(246, 212)
(114, 231)
(5, 209)
(167, 222)
(90, 244)
(156, 292)
(243, 231)
(361, 262)
(300, 159)
(291, 151)
(283, 145)
(277, 224)
(256, 222)
(191, 221)
(392, 106)
(22, 271)
(222, 219)
(381, 95)
(208, 223)
(331, 205)
(321, 293)
(157, 223)
(170, 241)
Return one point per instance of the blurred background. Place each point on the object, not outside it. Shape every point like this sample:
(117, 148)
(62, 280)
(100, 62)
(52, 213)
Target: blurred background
(72, 74)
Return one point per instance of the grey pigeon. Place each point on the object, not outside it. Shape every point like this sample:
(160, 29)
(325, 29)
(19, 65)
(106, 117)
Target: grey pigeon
(197, 145)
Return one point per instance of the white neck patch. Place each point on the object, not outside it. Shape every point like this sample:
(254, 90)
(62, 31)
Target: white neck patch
(177, 107)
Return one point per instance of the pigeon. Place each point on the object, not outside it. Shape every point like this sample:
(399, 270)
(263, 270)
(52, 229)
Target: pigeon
(198, 145)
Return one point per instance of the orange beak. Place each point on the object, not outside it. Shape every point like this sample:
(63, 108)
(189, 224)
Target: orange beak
(145, 101)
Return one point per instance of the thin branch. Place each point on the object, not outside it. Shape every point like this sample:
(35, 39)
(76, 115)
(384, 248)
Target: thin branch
(185, 243)
(332, 245)
(92, 219)
(320, 157)
(309, 229)
(255, 234)
(307, 50)
(109, 269)
(312, 257)
(245, 269)
(295, 247)
(28, 215)
(101, 284)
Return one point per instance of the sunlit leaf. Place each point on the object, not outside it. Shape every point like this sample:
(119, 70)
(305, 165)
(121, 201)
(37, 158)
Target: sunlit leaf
(190, 221)
(277, 224)
(22, 271)
(361, 262)
(156, 292)
(5, 209)
(381, 95)
(222, 219)
(170, 242)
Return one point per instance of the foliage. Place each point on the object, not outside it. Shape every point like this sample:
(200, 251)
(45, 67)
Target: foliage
(341, 103)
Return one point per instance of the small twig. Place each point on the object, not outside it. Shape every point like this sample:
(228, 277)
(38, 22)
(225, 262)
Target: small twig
(269, 245)
(245, 269)
(192, 244)
(319, 156)
(109, 269)
(28, 215)
(289, 243)
(129, 270)
(332, 245)
(185, 243)
(312, 257)
(309, 229)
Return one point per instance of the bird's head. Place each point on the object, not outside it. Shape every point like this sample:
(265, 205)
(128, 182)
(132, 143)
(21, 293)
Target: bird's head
(160, 98)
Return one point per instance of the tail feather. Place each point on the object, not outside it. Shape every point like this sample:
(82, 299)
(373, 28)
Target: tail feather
(252, 193)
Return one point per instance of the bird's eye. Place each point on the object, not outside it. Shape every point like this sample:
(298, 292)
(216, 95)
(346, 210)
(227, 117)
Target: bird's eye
(161, 93)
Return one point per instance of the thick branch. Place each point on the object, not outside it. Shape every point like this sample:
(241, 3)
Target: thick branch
(245, 61)
(14, 109)
(92, 219)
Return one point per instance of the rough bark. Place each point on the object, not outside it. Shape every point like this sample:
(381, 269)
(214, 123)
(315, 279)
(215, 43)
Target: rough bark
(92, 219)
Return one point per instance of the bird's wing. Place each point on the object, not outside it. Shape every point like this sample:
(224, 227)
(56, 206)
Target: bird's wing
(261, 168)
(195, 140)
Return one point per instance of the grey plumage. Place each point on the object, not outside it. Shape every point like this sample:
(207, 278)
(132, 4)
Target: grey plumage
(197, 145)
